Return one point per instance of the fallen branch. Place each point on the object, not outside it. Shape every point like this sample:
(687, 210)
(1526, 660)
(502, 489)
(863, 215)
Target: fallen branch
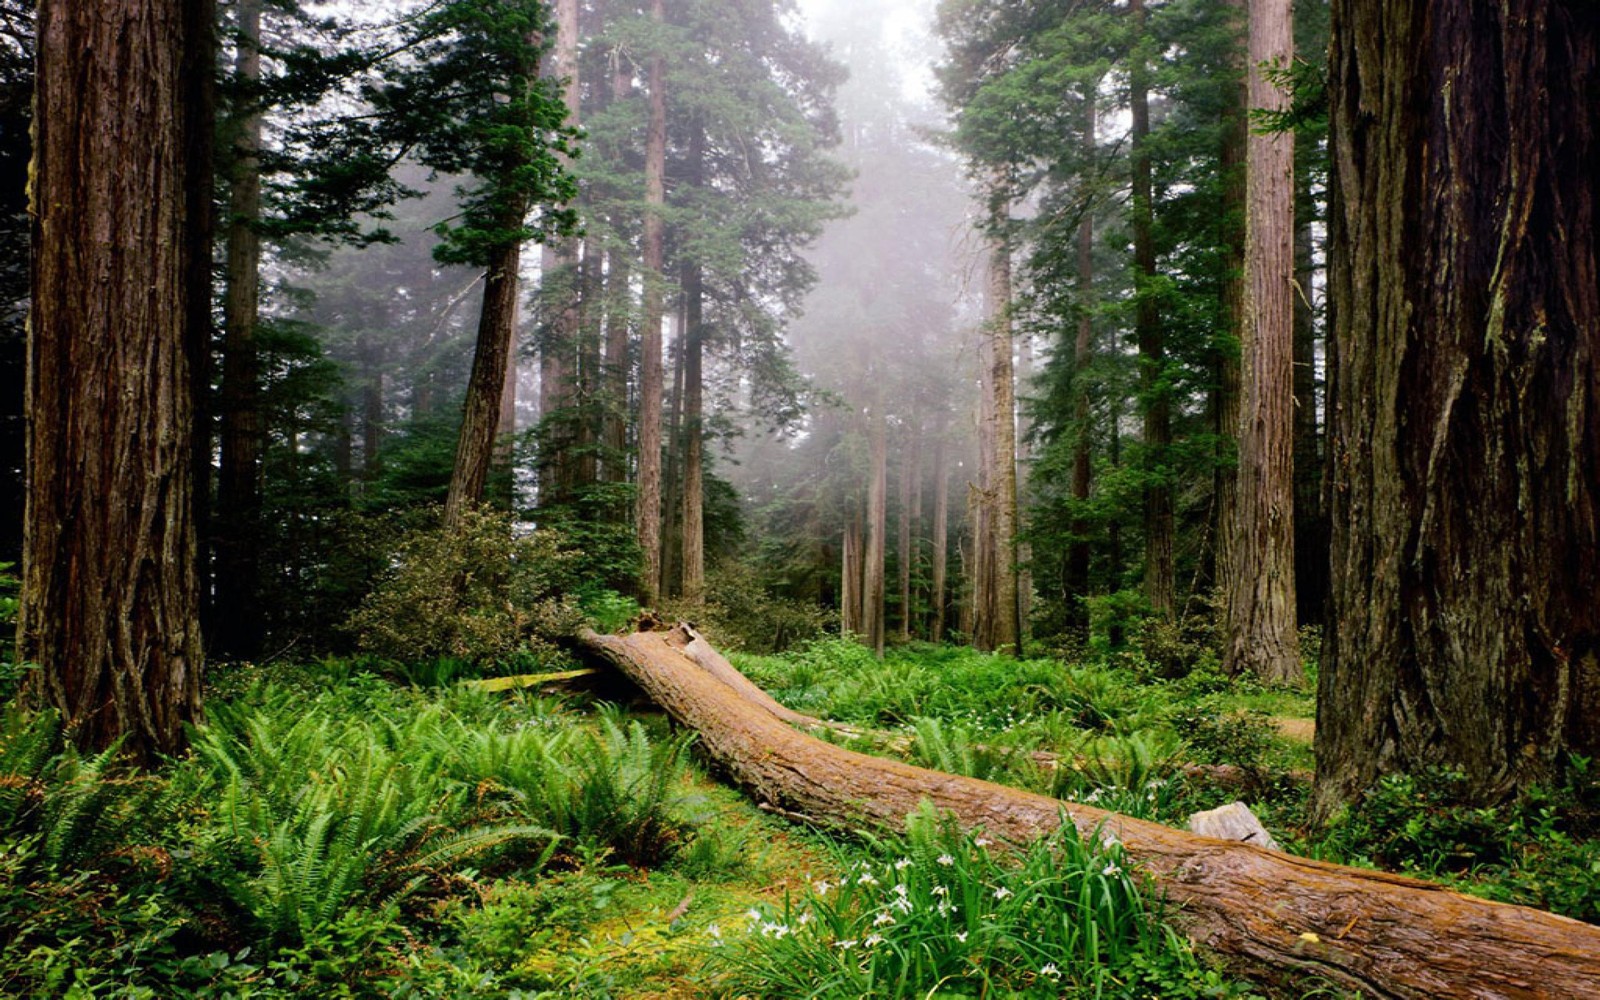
(1386, 934)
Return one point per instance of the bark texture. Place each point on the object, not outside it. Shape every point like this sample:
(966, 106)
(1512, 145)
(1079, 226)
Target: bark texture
(1465, 435)
(872, 625)
(1261, 633)
(648, 514)
(110, 593)
(1387, 935)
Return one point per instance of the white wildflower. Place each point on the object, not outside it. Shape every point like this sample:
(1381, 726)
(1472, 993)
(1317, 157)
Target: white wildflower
(845, 945)
(982, 842)
(961, 936)
(821, 888)
(1002, 893)
(946, 860)
(1050, 970)
(753, 915)
(866, 879)
(902, 864)
(805, 918)
(884, 917)
(1111, 870)
(940, 890)
(873, 939)
(902, 904)
(714, 931)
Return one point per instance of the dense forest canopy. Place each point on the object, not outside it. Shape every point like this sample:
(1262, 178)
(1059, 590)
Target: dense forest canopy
(1235, 349)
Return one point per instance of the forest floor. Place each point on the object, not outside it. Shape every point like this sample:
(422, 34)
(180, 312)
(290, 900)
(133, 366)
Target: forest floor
(338, 831)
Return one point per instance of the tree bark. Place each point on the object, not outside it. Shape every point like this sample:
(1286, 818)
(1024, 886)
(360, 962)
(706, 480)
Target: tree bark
(1310, 521)
(1384, 934)
(850, 560)
(694, 539)
(481, 416)
(648, 515)
(1261, 629)
(1159, 585)
(1006, 632)
(558, 271)
(110, 596)
(1465, 425)
(910, 472)
(877, 523)
(614, 426)
(1225, 396)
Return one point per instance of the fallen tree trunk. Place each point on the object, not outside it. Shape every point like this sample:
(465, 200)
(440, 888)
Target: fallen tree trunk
(1385, 934)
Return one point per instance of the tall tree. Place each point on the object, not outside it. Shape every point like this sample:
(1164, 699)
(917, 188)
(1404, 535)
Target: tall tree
(479, 107)
(110, 596)
(238, 619)
(1159, 584)
(998, 626)
(648, 516)
(1465, 433)
(1261, 634)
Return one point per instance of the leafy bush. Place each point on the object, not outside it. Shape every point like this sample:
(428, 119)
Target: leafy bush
(479, 591)
(744, 615)
(1216, 736)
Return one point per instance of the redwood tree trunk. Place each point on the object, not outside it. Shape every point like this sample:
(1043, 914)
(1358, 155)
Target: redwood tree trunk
(1261, 635)
(648, 516)
(1159, 586)
(1006, 633)
(1465, 417)
(1310, 521)
(1225, 395)
(877, 524)
(694, 538)
(941, 533)
(481, 417)
(110, 598)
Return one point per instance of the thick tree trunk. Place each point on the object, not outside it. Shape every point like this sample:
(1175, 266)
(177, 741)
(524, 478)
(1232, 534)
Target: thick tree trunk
(1310, 521)
(481, 416)
(1005, 634)
(1159, 585)
(614, 425)
(1082, 356)
(694, 539)
(877, 524)
(1261, 632)
(910, 472)
(110, 596)
(559, 279)
(648, 513)
(672, 481)
(941, 533)
(978, 616)
(1465, 416)
(1386, 935)
(1225, 395)
(850, 574)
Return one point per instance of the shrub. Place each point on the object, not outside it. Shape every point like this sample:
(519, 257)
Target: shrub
(479, 591)
(740, 614)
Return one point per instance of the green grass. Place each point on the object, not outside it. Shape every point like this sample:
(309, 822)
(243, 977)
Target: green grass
(341, 833)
